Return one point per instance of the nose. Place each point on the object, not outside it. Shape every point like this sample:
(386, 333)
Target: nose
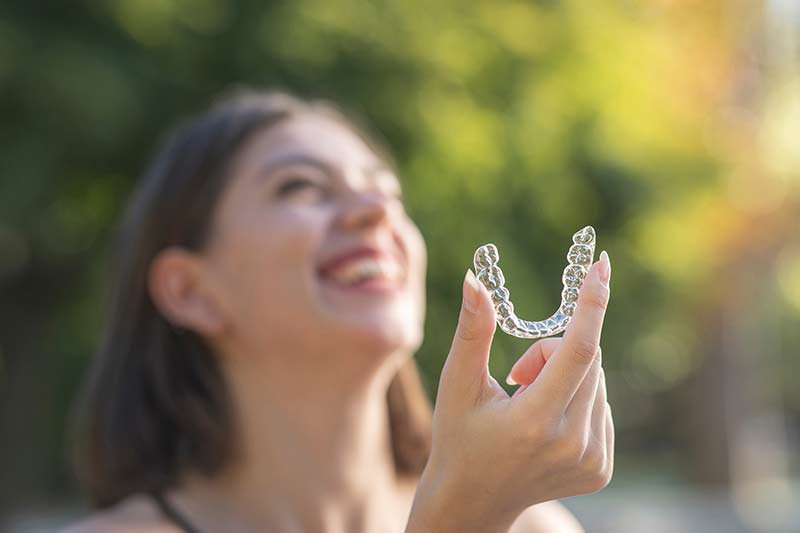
(364, 209)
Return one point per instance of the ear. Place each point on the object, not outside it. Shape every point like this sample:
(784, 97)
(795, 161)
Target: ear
(182, 292)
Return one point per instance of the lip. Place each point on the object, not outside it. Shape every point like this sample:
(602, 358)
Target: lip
(358, 252)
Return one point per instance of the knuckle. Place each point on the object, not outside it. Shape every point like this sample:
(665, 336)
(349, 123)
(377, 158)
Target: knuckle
(598, 298)
(594, 460)
(596, 482)
(609, 472)
(572, 449)
(540, 434)
(467, 333)
(585, 350)
(604, 478)
(598, 470)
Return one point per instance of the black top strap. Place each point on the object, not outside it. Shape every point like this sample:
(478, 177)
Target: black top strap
(172, 514)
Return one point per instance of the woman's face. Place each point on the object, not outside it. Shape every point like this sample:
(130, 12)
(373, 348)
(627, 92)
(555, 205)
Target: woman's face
(312, 248)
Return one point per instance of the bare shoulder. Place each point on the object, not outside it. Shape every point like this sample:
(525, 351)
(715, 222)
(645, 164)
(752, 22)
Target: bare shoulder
(134, 514)
(547, 517)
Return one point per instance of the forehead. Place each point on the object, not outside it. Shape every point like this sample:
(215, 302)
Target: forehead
(315, 135)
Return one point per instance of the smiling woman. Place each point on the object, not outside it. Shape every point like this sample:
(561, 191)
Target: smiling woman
(214, 272)
(257, 369)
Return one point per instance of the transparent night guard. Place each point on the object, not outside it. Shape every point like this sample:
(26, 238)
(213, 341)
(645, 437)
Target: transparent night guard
(580, 257)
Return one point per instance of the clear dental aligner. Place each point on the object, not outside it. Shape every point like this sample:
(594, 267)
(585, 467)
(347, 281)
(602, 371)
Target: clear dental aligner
(580, 257)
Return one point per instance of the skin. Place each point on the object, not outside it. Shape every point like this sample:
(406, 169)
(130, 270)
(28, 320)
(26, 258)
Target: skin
(309, 365)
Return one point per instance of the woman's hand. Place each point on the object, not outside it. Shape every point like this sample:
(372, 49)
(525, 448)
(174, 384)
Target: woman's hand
(494, 455)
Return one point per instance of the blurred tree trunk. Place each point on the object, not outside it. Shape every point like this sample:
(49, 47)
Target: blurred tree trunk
(736, 432)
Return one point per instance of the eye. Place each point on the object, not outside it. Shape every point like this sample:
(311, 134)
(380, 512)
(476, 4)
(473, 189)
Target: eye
(296, 184)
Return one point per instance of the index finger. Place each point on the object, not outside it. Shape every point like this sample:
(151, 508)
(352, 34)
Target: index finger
(565, 370)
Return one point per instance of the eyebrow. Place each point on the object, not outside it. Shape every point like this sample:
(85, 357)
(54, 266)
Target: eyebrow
(299, 158)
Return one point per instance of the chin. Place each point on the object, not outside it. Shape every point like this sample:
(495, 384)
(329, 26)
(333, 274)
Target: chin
(384, 336)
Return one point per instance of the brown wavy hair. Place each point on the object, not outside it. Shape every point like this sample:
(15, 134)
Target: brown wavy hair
(155, 403)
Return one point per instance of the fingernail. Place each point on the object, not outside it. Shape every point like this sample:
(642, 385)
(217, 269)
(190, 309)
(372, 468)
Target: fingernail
(470, 292)
(511, 381)
(605, 268)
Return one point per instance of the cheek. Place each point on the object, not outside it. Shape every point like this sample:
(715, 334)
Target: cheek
(271, 258)
(423, 265)
(418, 262)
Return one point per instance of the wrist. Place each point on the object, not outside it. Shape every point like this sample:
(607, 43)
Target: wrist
(441, 506)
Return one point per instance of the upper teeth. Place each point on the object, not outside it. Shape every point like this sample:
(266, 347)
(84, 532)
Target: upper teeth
(360, 269)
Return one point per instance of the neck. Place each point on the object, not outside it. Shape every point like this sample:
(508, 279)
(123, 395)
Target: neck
(314, 455)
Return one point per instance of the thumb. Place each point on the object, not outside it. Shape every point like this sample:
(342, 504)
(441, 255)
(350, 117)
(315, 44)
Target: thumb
(467, 365)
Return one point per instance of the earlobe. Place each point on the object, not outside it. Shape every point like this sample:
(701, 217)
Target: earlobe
(178, 290)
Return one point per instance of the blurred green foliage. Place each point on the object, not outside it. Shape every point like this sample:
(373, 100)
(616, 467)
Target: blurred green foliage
(514, 122)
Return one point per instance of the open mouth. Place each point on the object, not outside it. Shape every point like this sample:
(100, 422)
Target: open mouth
(365, 268)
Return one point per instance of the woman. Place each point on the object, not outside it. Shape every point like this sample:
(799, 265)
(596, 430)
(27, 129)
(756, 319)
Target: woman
(257, 370)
